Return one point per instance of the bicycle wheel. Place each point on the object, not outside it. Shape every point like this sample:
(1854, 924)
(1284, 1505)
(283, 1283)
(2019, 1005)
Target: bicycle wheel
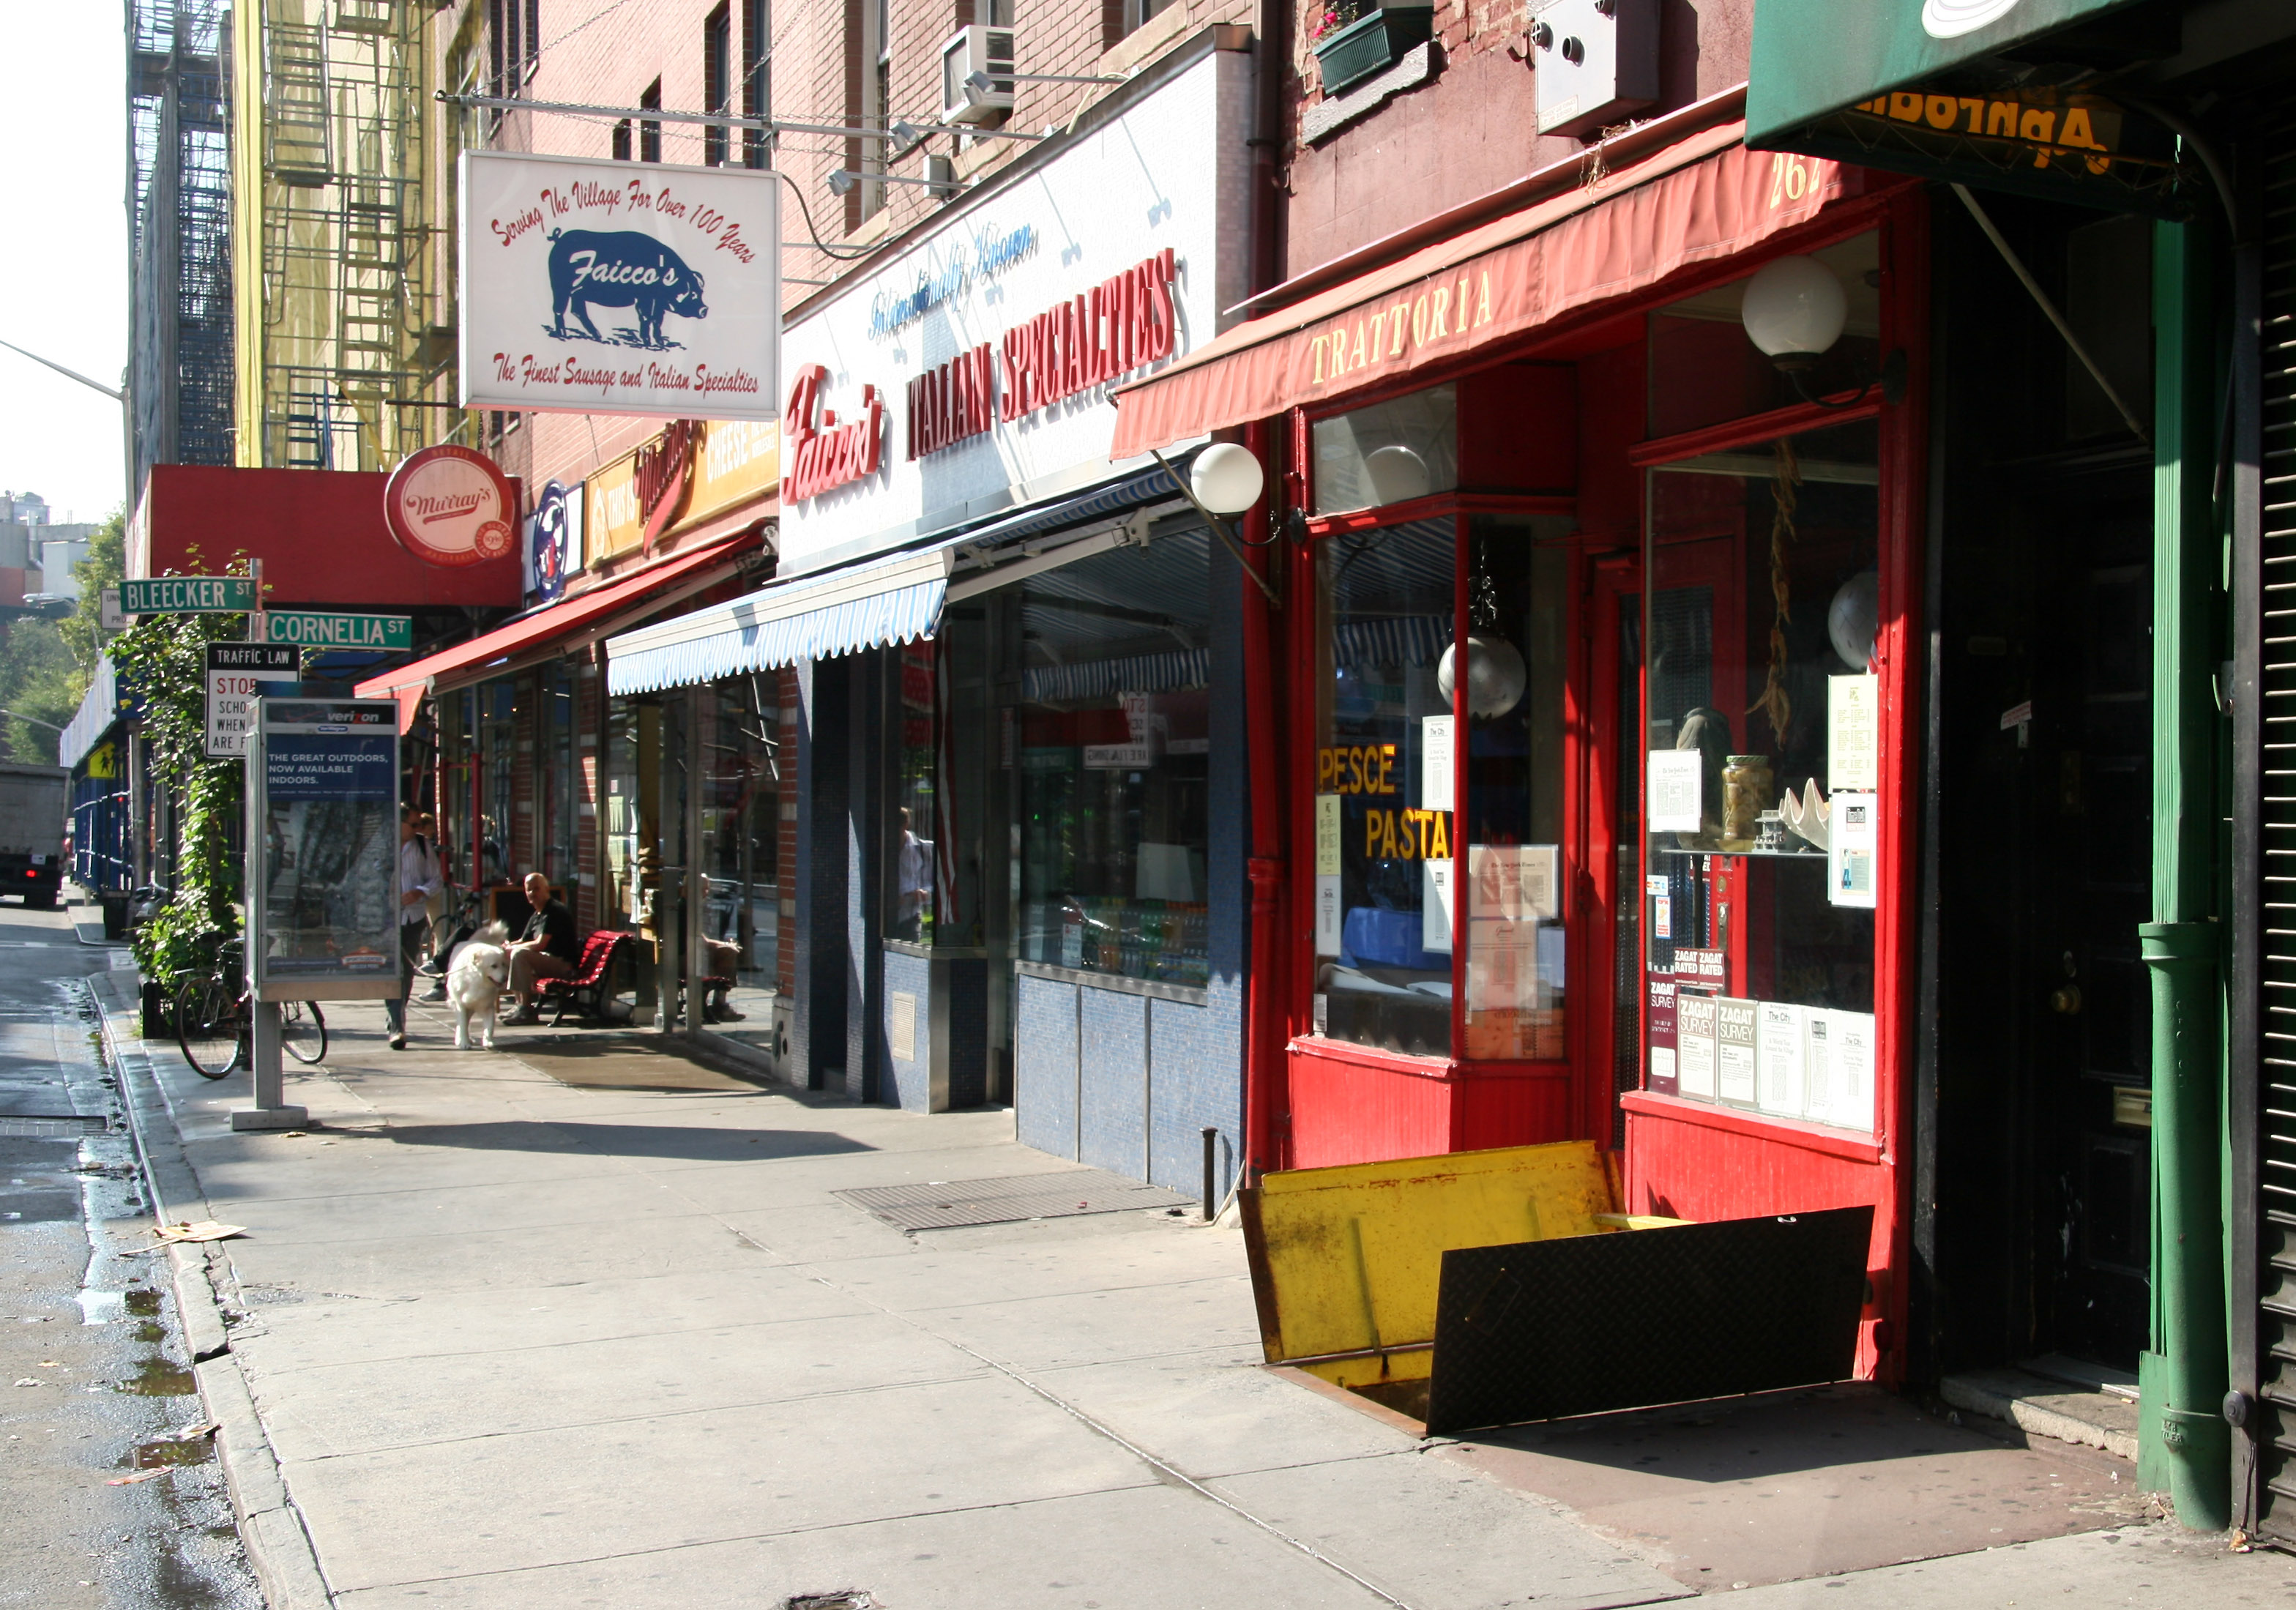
(303, 1032)
(209, 1019)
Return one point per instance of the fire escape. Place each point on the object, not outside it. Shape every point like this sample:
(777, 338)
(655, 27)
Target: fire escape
(345, 238)
(180, 376)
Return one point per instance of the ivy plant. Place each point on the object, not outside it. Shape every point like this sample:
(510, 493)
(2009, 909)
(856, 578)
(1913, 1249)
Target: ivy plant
(163, 658)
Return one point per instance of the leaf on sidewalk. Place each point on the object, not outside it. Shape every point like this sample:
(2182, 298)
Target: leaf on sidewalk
(28, 1381)
(140, 1476)
(205, 1428)
(206, 1229)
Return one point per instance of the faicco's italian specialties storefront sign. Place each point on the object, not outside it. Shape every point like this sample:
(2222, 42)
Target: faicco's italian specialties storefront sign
(323, 849)
(619, 287)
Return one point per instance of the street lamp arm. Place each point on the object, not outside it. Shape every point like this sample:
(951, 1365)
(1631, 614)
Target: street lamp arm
(35, 720)
(97, 385)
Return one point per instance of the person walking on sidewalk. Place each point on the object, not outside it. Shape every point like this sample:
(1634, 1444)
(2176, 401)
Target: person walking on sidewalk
(419, 879)
(546, 950)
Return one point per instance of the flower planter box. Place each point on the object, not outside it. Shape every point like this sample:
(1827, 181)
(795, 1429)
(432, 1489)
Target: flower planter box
(1370, 44)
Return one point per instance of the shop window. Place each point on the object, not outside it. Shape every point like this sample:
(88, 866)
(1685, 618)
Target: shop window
(1762, 803)
(741, 840)
(632, 862)
(557, 759)
(1111, 739)
(1390, 452)
(1389, 772)
(919, 873)
(499, 795)
(1704, 370)
(1384, 779)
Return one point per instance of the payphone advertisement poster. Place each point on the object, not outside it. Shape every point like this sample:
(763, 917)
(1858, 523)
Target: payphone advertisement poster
(322, 801)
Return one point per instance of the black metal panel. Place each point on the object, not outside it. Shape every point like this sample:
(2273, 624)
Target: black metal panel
(1542, 1329)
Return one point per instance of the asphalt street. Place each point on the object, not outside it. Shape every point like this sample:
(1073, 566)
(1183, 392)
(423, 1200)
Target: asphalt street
(95, 1383)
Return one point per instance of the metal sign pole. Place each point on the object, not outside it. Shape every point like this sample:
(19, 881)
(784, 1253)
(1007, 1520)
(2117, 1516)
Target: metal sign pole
(270, 1111)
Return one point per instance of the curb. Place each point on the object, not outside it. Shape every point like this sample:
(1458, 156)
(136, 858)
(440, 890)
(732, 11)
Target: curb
(270, 1527)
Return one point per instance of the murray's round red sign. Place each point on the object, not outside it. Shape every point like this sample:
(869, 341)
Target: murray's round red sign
(450, 505)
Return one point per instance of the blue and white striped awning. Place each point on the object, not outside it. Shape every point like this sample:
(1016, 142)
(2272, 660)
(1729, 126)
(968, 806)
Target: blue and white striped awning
(877, 605)
(1400, 640)
(870, 606)
(1133, 674)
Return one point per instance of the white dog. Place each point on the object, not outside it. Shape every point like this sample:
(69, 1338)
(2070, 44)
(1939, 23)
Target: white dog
(476, 974)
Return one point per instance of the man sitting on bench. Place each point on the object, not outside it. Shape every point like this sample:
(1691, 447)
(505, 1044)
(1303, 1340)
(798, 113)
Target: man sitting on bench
(546, 950)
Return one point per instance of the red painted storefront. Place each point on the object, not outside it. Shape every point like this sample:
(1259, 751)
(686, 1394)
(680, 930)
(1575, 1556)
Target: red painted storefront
(1601, 435)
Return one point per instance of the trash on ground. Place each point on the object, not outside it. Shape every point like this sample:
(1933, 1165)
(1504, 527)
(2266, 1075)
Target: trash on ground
(141, 1476)
(28, 1381)
(206, 1229)
(844, 1599)
(205, 1428)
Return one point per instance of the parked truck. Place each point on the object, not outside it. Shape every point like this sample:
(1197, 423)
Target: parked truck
(32, 809)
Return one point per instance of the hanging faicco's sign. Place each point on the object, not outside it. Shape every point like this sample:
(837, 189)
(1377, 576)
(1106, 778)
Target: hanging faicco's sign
(619, 287)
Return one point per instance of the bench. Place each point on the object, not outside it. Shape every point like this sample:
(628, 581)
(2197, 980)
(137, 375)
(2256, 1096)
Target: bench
(586, 988)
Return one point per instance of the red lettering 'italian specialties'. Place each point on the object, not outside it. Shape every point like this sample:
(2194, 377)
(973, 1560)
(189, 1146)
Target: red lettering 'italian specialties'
(1119, 325)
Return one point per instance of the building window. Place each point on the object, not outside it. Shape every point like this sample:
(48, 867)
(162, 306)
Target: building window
(513, 43)
(717, 66)
(1137, 13)
(757, 76)
(649, 130)
(622, 141)
(878, 111)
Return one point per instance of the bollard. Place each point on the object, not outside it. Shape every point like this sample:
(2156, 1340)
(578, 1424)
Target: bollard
(270, 1111)
(1211, 1170)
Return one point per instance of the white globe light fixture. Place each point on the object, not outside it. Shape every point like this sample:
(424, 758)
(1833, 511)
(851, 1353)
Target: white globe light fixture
(1226, 479)
(1793, 310)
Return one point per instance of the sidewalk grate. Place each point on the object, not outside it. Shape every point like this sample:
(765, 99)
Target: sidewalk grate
(52, 1128)
(953, 1203)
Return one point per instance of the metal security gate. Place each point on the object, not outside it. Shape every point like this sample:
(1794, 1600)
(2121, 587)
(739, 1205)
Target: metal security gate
(2265, 502)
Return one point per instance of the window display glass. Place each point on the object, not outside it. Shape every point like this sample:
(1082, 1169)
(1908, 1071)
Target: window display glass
(1762, 802)
(740, 841)
(1704, 370)
(559, 759)
(1390, 452)
(633, 860)
(912, 892)
(1517, 867)
(497, 716)
(1385, 774)
(1110, 737)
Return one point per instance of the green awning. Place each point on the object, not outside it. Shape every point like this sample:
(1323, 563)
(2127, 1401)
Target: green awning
(1813, 58)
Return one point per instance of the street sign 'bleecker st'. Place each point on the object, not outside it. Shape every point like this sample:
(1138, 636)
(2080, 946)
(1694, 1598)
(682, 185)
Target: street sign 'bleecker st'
(185, 595)
(238, 674)
(312, 629)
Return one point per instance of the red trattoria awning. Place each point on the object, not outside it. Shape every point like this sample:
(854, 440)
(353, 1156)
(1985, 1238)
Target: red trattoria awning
(1704, 198)
(595, 614)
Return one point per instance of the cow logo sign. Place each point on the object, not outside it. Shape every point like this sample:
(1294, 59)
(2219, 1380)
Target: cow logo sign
(450, 507)
(619, 287)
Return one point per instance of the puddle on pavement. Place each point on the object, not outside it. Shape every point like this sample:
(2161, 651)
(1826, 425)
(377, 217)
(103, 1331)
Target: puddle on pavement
(101, 1308)
(141, 1302)
(158, 1377)
(188, 1451)
(150, 1331)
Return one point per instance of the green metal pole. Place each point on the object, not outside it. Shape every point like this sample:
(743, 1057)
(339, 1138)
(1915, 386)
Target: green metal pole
(2184, 1437)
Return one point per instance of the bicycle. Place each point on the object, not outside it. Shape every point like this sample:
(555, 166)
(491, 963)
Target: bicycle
(214, 1019)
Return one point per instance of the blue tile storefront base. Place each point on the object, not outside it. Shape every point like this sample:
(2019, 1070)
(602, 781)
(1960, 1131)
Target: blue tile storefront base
(936, 1010)
(1114, 1075)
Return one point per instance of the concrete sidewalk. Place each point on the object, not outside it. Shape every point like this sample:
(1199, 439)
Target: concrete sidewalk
(513, 1339)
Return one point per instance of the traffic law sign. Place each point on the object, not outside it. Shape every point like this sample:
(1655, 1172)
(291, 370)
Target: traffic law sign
(313, 628)
(183, 595)
(238, 674)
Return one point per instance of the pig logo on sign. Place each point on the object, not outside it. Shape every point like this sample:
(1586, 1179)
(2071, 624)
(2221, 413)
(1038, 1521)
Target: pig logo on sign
(619, 270)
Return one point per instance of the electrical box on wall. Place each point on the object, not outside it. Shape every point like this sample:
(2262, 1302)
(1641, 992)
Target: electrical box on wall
(1594, 63)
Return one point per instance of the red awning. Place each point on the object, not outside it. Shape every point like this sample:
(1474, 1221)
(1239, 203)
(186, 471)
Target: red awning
(1703, 198)
(596, 613)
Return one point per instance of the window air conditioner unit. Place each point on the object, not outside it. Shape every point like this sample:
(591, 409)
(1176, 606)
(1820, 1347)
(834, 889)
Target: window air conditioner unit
(978, 51)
